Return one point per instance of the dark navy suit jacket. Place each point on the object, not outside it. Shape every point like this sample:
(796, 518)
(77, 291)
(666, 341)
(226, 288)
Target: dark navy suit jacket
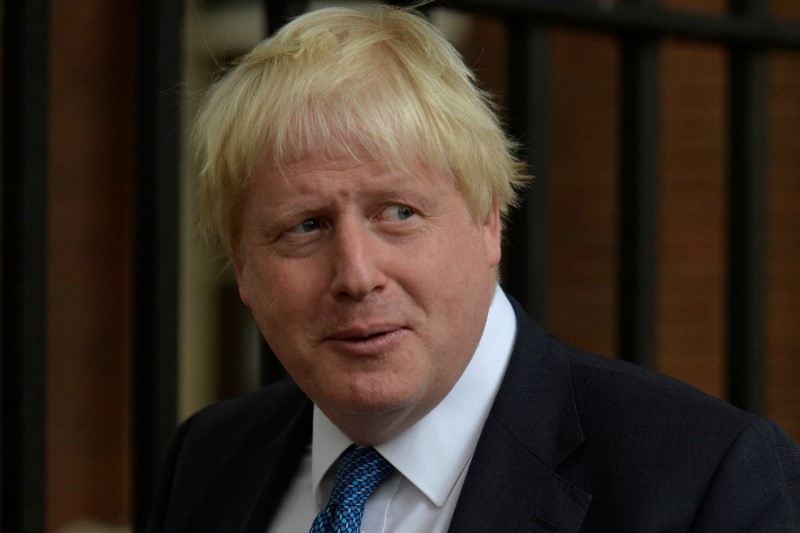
(574, 442)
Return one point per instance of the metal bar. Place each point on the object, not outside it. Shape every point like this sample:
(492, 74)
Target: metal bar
(25, 109)
(639, 171)
(158, 78)
(526, 254)
(748, 219)
(625, 18)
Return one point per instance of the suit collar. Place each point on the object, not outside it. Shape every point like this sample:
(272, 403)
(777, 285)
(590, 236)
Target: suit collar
(536, 403)
(533, 426)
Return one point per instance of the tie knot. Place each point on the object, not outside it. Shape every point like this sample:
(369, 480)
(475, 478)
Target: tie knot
(360, 470)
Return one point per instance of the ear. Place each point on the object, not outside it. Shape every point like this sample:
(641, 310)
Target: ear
(241, 279)
(493, 235)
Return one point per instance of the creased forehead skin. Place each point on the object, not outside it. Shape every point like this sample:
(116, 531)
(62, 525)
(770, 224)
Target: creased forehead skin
(383, 81)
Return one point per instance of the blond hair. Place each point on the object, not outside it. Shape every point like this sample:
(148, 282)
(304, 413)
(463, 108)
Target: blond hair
(382, 80)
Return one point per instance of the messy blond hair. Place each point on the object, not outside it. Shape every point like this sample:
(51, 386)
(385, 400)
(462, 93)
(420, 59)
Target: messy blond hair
(381, 80)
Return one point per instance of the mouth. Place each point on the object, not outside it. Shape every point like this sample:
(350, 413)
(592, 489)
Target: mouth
(363, 333)
(366, 341)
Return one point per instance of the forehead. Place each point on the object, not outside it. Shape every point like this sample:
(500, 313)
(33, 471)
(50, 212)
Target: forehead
(339, 168)
(329, 149)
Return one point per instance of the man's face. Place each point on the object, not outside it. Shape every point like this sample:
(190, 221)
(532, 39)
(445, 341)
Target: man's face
(371, 285)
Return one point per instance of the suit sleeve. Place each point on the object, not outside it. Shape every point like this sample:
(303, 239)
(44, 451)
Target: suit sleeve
(756, 486)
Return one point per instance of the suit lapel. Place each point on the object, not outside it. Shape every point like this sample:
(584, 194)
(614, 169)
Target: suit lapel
(533, 426)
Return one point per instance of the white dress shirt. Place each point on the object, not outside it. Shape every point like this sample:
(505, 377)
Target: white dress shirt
(431, 457)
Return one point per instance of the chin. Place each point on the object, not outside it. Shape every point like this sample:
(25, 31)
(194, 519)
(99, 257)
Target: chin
(369, 401)
(373, 421)
(374, 405)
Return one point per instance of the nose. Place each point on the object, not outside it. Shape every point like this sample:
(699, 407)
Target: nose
(357, 262)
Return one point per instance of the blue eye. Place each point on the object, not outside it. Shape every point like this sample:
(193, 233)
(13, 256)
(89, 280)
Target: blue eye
(398, 212)
(307, 226)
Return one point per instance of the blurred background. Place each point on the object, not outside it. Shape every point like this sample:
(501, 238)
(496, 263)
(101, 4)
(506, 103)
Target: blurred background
(663, 225)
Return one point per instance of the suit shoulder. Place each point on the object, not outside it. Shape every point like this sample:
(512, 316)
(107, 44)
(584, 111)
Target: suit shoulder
(271, 406)
(622, 395)
(221, 455)
(649, 437)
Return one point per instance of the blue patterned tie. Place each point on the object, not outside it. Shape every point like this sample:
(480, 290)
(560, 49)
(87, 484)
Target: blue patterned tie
(360, 471)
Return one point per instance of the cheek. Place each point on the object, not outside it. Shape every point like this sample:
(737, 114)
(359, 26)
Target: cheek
(274, 280)
(292, 302)
(275, 297)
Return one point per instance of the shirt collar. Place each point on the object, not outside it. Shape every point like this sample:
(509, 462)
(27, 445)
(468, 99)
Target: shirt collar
(434, 452)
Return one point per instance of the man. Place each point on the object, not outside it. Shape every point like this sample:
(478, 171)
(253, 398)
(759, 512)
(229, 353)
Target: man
(358, 180)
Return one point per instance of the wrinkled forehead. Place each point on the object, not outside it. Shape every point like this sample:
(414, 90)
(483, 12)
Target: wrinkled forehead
(336, 159)
(329, 140)
(352, 168)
